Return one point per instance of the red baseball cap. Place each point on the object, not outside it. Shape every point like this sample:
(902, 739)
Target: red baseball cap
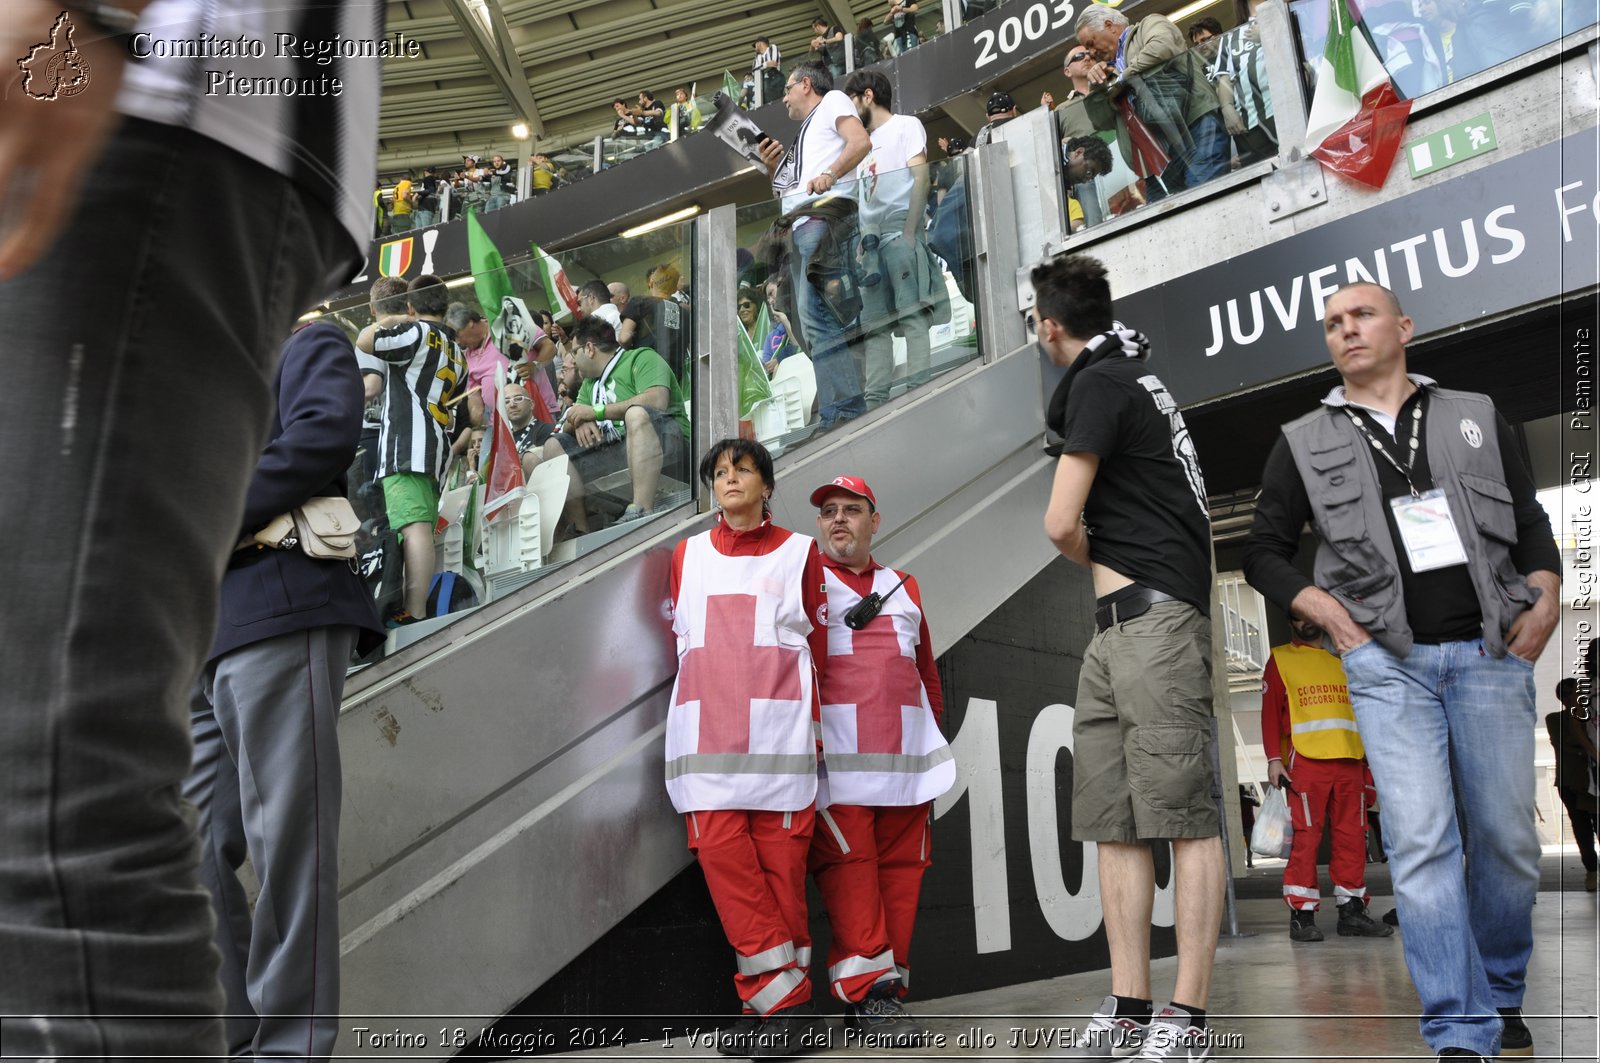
(854, 484)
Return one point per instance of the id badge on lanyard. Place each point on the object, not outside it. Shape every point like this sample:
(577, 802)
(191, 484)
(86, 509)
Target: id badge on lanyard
(1427, 530)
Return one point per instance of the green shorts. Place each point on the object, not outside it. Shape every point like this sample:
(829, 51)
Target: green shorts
(1141, 735)
(410, 498)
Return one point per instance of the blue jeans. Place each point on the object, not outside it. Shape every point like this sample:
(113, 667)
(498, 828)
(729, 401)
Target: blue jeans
(1207, 159)
(1449, 735)
(838, 383)
(130, 434)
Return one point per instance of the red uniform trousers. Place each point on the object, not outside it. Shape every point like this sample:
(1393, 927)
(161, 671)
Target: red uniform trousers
(868, 863)
(1326, 793)
(755, 866)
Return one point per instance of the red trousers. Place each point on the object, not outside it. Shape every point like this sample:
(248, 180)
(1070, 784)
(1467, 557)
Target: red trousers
(868, 863)
(1328, 793)
(755, 866)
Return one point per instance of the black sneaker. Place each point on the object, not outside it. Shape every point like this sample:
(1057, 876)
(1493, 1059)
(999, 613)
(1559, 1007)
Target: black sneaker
(1516, 1039)
(1354, 922)
(738, 1039)
(881, 1021)
(1303, 926)
(1392, 917)
(1460, 1053)
(790, 1032)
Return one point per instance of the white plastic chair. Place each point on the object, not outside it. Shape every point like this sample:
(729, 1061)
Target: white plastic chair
(799, 368)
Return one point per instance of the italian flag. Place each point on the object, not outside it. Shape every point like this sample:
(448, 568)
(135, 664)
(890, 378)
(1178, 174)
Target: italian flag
(501, 465)
(558, 291)
(1357, 119)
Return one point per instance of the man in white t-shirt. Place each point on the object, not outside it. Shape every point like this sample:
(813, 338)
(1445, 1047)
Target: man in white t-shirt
(896, 279)
(595, 298)
(830, 145)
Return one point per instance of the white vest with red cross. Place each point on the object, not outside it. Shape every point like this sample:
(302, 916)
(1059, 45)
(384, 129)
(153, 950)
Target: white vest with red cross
(739, 730)
(880, 742)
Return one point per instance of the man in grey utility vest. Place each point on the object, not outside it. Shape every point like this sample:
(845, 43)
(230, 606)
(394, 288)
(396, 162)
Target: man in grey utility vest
(1436, 580)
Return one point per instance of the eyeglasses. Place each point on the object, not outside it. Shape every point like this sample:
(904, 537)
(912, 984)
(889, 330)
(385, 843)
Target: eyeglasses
(1077, 57)
(747, 306)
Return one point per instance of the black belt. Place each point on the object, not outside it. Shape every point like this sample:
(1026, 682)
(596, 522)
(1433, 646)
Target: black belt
(1128, 606)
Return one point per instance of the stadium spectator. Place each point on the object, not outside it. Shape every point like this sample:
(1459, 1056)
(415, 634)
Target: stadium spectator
(425, 371)
(629, 415)
(268, 696)
(779, 342)
(902, 23)
(665, 282)
(401, 216)
(1239, 72)
(594, 298)
(1147, 72)
(827, 45)
(1084, 159)
(482, 356)
(652, 116)
(426, 208)
(528, 432)
(865, 44)
(1202, 33)
(502, 183)
(767, 66)
(627, 123)
(545, 174)
(686, 111)
(892, 189)
(999, 110)
(749, 310)
(823, 152)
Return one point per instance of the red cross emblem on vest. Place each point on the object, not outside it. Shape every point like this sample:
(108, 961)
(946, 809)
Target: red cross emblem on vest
(880, 679)
(742, 673)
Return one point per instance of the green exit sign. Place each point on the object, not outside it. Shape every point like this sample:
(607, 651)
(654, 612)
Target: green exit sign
(1451, 145)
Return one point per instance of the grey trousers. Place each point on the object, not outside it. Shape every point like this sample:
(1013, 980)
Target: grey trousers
(895, 305)
(138, 382)
(266, 784)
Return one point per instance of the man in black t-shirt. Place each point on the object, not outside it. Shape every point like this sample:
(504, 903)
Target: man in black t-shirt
(1437, 580)
(1129, 504)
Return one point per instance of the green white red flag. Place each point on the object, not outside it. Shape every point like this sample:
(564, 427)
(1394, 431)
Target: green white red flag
(1357, 118)
(558, 291)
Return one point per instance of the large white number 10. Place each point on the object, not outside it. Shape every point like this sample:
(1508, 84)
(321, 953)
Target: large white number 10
(1071, 916)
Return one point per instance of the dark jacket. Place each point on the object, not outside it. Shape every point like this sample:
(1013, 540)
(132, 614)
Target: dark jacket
(310, 445)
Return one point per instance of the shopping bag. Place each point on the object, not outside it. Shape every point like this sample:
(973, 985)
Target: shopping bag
(1273, 831)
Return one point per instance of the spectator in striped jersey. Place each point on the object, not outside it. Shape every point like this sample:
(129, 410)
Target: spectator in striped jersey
(425, 372)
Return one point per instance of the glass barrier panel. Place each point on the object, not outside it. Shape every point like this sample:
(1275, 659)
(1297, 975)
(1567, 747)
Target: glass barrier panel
(1427, 44)
(871, 297)
(542, 437)
(1193, 118)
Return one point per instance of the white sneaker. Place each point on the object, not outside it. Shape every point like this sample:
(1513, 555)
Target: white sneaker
(1107, 1036)
(1172, 1038)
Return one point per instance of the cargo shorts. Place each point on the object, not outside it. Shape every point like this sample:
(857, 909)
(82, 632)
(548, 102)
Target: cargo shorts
(1141, 764)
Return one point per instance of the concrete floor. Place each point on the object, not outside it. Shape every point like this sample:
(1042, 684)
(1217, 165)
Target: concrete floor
(1271, 999)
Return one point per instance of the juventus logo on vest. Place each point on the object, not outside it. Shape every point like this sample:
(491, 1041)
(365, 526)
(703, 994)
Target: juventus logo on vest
(1471, 433)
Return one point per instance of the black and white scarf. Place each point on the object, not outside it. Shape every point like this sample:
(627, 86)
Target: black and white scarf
(1129, 343)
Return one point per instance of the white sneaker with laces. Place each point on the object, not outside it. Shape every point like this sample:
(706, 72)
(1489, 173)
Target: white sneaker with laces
(1107, 1036)
(1172, 1038)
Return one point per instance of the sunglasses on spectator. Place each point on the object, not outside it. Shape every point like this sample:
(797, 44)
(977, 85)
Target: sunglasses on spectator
(1076, 57)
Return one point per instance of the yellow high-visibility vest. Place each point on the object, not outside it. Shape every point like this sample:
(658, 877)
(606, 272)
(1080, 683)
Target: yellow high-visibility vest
(1322, 725)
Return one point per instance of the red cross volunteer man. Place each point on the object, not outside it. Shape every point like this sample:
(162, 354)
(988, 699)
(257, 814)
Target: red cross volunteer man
(884, 762)
(750, 616)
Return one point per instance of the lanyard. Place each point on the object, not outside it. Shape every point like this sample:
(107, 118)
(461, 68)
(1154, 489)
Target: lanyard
(1412, 445)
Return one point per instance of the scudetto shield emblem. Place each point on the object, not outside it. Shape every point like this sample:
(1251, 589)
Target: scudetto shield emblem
(394, 258)
(1471, 433)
